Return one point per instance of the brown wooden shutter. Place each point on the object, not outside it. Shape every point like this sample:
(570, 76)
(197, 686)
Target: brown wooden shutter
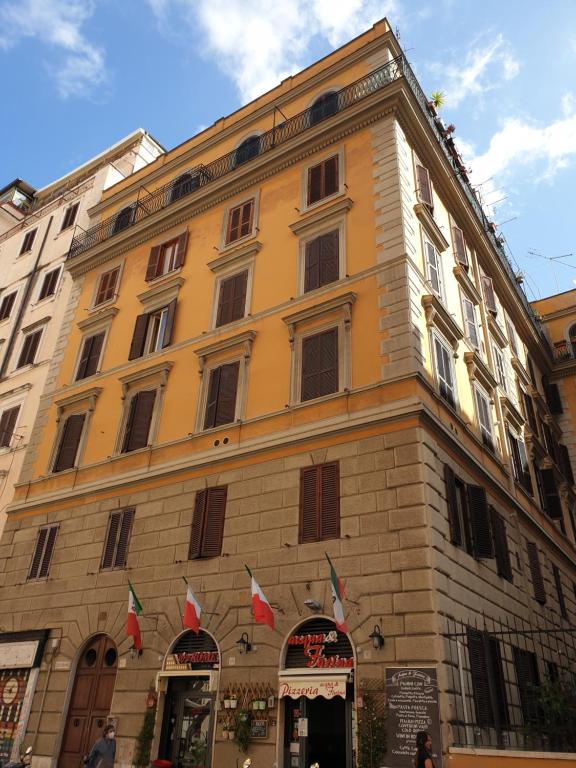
(234, 221)
(329, 262)
(232, 299)
(309, 529)
(424, 186)
(459, 246)
(565, 463)
(153, 263)
(559, 591)
(139, 337)
(530, 414)
(38, 553)
(212, 398)
(69, 442)
(452, 500)
(181, 250)
(109, 551)
(214, 522)
(479, 673)
(552, 497)
(90, 356)
(6, 306)
(48, 552)
(528, 679)
(7, 425)
(228, 385)
(70, 216)
(536, 573)
(29, 349)
(124, 531)
(502, 553)
(169, 327)
(246, 219)
(330, 501)
(553, 398)
(49, 284)
(489, 295)
(319, 365)
(139, 420)
(479, 522)
(195, 548)
(107, 286)
(331, 180)
(312, 265)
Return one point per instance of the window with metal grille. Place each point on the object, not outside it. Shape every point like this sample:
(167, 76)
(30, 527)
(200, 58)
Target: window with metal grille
(69, 442)
(167, 257)
(43, 551)
(232, 298)
(536, 572)
(445, 372)
(528, 680)
(321, 261)
(208, 523)
(221, 399)
(49, 284)
(29, 349)
(319, 365)
(319, 503)
(28, 241)
(240, 221)
(107, 286)
(140, 412)
(69, 216)
(559, 590)
(323, 180)
(7, 425)
(117, 539)
(488, 687)
(153, 331)
(7, 305)
(90, 355)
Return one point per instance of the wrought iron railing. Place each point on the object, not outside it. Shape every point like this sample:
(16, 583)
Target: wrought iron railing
(564, 350)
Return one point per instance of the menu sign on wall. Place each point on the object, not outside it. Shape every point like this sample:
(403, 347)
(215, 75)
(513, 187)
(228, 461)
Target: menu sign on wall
(412, 696)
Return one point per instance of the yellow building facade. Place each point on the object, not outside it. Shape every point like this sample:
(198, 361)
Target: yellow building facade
(297, 335)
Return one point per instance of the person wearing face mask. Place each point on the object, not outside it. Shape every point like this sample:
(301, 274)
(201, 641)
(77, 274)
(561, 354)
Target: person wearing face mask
(103, 752)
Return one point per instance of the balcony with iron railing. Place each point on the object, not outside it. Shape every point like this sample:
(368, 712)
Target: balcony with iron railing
(200, 176)
(564, 350)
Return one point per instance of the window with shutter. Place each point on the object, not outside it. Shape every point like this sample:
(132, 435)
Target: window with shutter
(445, 372)
(501, 551)
(552, 504)
(107, 286)
(321, 261)
(49, 284)
(232, 298)
(221, 399)
(480, 522)
(240, 221)
(319, 503)
(167, 257)
(559, 591)
(520, 465)
(184, 185)
(489, 295)
(484, 414)
(69, 442)
(512, 337)
(115, 552)
(458, 517)
(553, 398)
(565, 463)
(433, 268)
(424, 188)
(29, 348)
(28, 241)
(488, 686)
(139, 420)
(529, 412)
(528, 679)
(248, 149)
(90, 356)
(323, 180)
(536, 572)
(319, 365)
(208, 523)
(325, 106)
(470, 323)
(500, 368)
(459, 247)
(7, 305)
(43, 550)
(69, 216)
(124, 218)
(7, 426)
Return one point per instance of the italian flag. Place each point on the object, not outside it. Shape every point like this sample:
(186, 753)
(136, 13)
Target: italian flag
(134, 610)
(192, 611)
(261, 609)
(337, 597)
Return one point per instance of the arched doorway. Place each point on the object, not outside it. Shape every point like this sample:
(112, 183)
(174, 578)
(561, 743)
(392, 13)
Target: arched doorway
(190, 683)
(90, 701)
(317, 691)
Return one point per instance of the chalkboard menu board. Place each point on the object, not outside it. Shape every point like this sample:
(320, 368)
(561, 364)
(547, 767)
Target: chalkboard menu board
(412, 699)
(259, 729)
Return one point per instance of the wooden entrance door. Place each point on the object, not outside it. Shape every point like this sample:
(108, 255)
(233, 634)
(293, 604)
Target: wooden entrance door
(91, 699)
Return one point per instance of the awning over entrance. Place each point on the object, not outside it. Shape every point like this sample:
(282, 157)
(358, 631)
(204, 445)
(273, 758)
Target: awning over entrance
(311, 687)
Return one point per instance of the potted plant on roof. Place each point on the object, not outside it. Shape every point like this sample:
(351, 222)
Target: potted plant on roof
(435, 101)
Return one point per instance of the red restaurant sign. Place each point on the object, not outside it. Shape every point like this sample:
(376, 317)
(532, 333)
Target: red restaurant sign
(314, 647)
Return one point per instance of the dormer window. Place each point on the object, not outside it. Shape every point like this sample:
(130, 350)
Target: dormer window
(323, 107)
(249, 148)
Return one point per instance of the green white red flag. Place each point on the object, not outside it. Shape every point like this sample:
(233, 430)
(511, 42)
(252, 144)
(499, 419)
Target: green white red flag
(337, 598)
(132, 625)
(261, 609)
(192, 611)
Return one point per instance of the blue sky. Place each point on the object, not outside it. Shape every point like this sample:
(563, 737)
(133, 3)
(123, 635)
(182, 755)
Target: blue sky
(78, 75)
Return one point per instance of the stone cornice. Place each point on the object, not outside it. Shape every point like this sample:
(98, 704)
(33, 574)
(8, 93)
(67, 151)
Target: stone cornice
(466, 284)
(479, 371)
(244, 340)
(341, 302)
(232, 256)
(322, 215)
(160, 371)
(497, 332)
(98, 318)
(430, 227)
(437, 316)
(87, 397)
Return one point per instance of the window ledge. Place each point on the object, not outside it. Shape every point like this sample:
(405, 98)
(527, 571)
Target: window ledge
(36, 324)
(88, 396)
(244, 340)
(521, 371)
(103, 317)
(511, 413)
(432, 229)
(320, 216)
(234, 256)
(496, 331)
(466, 284)
(319, 203)
(479, 371)
(164, 278)
(159, 371)
(163, 292)
(343, 302)
(437, 316)
(227, 247)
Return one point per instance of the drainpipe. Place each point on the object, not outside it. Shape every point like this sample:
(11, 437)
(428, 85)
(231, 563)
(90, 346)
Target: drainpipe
(23, 304)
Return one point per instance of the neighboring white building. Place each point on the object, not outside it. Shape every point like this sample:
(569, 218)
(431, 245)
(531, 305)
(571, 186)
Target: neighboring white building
(36, 230)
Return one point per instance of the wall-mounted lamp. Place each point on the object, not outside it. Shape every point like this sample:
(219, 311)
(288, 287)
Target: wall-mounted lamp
(314, 605)
(135, 653)
(376, 637)
(243, 644)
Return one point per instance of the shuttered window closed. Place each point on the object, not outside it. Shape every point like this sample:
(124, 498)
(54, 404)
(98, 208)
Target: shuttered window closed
(424, 188)
(489, 295)
(117, 539)
(323, 180)
(221, 400)
(42, 556)
(7, 425)
(139, 420)
(29, 349)
(459, 247)
(501, 551)
(565, 463)
(90, 356)
(107, 286)
(49, 284)
(528, 680)
(488, 687)
(322, 262)
(553, 398)
(232, 298)
(69, 442)
(551, 495)
(319, 503)
(536, 573)
(6, 305)
(208, 523)
(240, 221)
(480, 522)
(559, 591)
(319, 365)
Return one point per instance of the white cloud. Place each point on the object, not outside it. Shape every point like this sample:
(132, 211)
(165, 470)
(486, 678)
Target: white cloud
(58, 24)
(485, 65)
(258, 43)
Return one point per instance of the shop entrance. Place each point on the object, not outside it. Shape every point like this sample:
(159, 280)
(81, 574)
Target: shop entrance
(328, 737)
(188, 723)
(90, 701)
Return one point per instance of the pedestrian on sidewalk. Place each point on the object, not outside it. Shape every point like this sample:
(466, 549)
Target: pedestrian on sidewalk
(103, 752)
